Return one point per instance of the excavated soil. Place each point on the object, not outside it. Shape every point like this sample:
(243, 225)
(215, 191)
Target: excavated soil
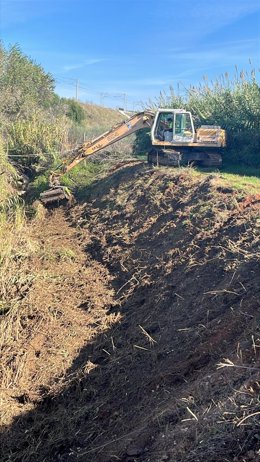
(138, 338)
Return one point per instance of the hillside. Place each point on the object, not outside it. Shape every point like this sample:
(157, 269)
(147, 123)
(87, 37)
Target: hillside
(134, 335)
(99, 116)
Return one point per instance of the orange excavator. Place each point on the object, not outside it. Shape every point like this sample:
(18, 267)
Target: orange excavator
(174, 138)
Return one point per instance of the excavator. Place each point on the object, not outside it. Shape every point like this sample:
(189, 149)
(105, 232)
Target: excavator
(174, 138)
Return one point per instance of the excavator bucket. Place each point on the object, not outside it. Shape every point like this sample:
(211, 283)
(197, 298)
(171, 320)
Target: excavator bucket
(55, 194)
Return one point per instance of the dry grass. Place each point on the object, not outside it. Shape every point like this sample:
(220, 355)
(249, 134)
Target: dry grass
(44, 279)
(98, 116)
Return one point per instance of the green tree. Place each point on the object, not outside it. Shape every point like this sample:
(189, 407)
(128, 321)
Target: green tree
(32, 117)
(74, 111)
(23, 84)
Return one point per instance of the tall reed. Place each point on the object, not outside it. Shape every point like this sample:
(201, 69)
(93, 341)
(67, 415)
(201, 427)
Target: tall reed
(232, 103)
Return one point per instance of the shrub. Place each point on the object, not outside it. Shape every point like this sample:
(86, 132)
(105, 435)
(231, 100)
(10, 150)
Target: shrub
(142, 142)
(36, 141)
(74, 111)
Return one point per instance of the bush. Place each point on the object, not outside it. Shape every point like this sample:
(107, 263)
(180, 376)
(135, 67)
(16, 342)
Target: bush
(36, 141)
(142, 142)
(74, 111)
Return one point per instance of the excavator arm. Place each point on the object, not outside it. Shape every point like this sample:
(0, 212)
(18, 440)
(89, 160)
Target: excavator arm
(118, 132)
(136, 122)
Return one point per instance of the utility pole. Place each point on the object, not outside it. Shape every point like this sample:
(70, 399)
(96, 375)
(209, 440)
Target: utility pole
(77, 90)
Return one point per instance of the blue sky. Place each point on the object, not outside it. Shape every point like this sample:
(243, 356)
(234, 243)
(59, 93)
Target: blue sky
(133, 47)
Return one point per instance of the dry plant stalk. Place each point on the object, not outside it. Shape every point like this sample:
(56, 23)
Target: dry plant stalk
(148, 336)
(229, 363)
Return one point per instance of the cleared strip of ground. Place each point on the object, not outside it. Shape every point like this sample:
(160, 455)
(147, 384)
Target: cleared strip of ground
(138, 336)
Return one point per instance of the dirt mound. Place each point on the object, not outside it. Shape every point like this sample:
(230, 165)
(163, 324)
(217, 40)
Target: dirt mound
(158, 324)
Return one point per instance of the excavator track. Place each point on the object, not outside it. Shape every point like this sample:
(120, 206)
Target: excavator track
(171, 157)
(168, 157)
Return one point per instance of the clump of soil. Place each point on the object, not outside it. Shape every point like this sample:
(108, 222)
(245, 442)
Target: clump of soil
(153, 351)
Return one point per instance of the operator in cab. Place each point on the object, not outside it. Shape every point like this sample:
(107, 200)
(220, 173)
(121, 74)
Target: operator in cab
(168, 131)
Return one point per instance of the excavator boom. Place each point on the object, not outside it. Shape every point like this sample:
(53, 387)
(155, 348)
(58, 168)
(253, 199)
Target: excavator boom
(136, 122)
(118, 132)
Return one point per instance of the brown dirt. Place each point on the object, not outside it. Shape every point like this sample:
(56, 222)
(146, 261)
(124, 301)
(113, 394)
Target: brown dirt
(139, 293)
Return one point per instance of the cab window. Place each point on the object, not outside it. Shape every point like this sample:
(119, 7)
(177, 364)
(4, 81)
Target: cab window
(183, 126)
(164, 126)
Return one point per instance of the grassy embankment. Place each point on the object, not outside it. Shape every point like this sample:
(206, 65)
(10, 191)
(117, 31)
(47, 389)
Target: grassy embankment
(15, 245)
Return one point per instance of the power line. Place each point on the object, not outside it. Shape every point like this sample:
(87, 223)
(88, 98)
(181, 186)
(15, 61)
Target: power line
(78, 85)
(61, 77)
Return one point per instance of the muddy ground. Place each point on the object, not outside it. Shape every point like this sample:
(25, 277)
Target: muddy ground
(138, 338)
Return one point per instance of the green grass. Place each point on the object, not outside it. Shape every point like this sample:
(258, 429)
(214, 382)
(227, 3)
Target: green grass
(244, 181)
(100, 117)
(242, 170)
(250, 184)
(76, 180)
(82, 175)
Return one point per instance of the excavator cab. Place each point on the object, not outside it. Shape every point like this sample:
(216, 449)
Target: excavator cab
(174, 126)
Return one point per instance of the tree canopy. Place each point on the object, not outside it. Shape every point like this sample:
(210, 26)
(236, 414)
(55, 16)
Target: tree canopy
(23, 84)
